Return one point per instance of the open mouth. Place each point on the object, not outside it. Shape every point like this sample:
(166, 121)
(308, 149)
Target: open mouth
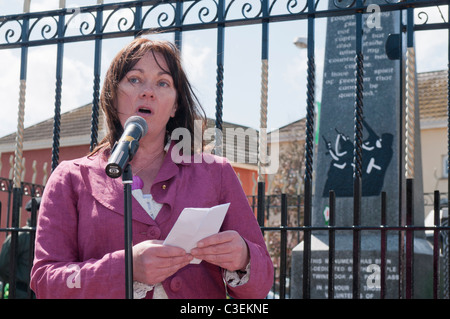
(144, 110)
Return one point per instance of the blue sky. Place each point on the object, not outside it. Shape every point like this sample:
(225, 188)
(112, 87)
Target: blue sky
(242, 84)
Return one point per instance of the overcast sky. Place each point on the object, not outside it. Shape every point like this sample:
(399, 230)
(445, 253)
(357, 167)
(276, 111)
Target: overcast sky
(242, 84)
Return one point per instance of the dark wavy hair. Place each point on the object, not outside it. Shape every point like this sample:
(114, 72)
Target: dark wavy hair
(188, 105)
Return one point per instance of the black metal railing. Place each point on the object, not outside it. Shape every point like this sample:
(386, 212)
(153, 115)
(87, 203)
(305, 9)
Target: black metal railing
(439, 239)
(287, 211)
(12, 229)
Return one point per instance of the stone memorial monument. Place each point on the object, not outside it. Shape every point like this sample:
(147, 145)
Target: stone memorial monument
(381, 164)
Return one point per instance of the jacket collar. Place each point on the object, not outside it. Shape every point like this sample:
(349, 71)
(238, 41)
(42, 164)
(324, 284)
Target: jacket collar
(109, 192)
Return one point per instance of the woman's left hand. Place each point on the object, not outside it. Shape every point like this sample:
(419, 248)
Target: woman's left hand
(227, 250)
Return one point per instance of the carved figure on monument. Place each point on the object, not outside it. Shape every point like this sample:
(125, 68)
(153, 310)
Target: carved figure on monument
(377, 154)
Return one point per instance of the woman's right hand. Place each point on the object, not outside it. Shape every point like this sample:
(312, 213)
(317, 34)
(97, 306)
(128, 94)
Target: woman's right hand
(153, 262)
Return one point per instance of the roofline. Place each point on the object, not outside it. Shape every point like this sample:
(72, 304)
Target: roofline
(284, 126)
(77, 140)
(436, 71)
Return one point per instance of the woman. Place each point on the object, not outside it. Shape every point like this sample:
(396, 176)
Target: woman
(79, 242)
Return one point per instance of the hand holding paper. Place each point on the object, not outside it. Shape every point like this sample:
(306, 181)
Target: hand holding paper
(194, 224)
(226, 249)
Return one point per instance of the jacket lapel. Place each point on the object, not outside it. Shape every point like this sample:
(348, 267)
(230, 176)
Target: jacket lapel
(165, 186)
(108, 191)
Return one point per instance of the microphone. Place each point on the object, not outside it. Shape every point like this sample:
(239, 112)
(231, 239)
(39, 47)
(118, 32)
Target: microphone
(123, 151)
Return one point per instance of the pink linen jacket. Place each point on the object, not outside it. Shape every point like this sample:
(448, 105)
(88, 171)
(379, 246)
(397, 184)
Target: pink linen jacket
(80, 235)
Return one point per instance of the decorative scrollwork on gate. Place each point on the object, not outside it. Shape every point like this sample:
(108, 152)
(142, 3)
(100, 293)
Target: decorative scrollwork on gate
(32, 190)
(43, 28)
(6, 185)
(159, 16)
(11, 34)
(243, 9)
(424, 16)
(134, 17)
(122, 22)
(344, 4)
(207, 11)
(83, 22)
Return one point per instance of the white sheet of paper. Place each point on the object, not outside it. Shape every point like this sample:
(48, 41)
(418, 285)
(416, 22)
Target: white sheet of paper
(194, 224)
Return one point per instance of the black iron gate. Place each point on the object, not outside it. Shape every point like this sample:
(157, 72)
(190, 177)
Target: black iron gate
(105, 21)
(285, 206)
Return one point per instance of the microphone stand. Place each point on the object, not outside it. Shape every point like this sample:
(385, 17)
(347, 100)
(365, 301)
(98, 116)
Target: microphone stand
(127, 180)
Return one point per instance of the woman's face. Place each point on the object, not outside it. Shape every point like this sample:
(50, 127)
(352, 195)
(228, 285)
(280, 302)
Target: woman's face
(147, 90)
